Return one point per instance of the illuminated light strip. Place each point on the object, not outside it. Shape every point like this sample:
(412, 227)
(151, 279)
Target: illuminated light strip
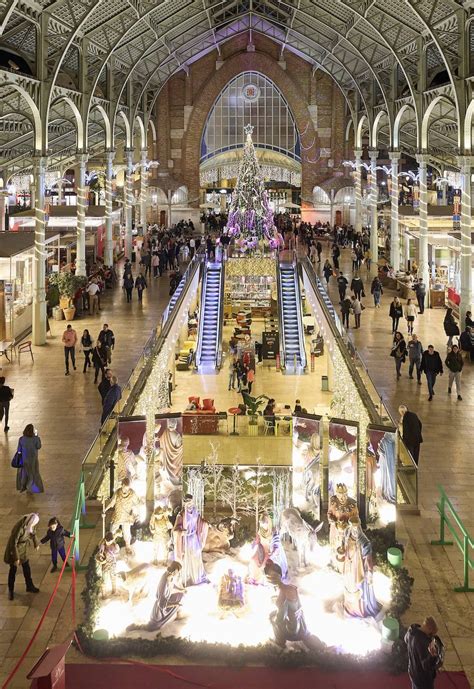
(394, 220)
(423, 215)
(358, 192)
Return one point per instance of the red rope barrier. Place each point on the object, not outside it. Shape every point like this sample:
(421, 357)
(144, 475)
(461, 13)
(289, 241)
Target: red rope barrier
(40, 623)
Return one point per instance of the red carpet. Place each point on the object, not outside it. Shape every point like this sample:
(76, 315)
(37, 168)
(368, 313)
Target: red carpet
(125, 676)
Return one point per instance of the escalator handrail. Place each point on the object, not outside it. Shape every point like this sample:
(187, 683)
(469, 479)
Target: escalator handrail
(202, 312)
(280, 315)
(220, 318)
(197, 258)
(299, 315)
(368, 402)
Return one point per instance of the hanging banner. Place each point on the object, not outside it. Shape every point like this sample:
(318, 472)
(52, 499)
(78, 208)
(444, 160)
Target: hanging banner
(457, 211)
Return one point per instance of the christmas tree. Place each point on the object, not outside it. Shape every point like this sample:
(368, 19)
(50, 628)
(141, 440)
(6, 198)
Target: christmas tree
(250, 216)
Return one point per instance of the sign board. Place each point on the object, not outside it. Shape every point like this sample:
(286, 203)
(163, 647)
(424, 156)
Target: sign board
(270, 344)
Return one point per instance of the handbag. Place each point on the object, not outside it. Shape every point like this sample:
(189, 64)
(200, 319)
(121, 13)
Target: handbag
(362, 306)
(17, 461)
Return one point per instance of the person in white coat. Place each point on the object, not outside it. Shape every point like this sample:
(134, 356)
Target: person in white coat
(410, 314)
(356, 310)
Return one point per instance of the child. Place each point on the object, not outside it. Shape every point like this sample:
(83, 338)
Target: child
(55, 535)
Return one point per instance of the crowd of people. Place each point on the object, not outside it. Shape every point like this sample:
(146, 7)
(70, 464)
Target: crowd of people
(351, 291)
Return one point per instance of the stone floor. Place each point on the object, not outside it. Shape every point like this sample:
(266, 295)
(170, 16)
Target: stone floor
(66, 411)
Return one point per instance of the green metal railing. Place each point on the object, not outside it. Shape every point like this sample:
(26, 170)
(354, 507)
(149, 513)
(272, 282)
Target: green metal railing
(463, 540)
(78, 519)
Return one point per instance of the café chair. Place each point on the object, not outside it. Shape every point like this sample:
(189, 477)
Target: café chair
(25, 347)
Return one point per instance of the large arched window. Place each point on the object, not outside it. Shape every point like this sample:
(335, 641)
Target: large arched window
(251, 98)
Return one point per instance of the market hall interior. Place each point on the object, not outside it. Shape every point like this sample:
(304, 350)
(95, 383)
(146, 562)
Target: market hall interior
(217, 163)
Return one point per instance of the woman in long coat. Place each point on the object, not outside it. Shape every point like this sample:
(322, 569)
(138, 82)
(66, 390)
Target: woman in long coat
(16, 553)
(28, 475)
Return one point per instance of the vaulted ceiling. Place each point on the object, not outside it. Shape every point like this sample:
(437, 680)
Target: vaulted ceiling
(384, 54)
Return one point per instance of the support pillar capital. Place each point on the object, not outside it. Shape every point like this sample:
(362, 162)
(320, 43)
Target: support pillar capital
(395, 155)
(423, 159)
(373, 155)
(358, 153)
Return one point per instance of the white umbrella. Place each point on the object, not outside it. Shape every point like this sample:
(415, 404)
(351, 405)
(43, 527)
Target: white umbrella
(289, 204)
(208, 205)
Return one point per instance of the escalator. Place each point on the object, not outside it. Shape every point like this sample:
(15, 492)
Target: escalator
(209, 350)
(293, 354)
(188, 275)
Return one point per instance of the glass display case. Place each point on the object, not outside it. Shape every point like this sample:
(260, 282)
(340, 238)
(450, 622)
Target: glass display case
(16, 274)
(16, 282)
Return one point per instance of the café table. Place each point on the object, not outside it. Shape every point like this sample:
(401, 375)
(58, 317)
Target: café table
(235, 411)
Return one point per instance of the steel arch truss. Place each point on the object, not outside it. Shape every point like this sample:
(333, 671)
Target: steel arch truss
(98, 62)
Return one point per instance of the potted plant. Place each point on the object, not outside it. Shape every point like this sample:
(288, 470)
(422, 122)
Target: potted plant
(67, 284)
(252, 405)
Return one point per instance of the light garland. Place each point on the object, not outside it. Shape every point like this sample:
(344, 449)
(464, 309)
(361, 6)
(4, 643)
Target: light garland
(251, 266)
(347, 402)
(154, 397)
(269, 172)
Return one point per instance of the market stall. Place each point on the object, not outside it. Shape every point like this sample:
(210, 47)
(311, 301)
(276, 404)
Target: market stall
(16, 280)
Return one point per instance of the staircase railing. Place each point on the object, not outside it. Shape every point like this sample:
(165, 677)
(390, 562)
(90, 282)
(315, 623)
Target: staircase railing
(377, 410)
(450, 518)
(103, 446)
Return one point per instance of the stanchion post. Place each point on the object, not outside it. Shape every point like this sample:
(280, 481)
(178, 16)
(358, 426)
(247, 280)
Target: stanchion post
(111, 477)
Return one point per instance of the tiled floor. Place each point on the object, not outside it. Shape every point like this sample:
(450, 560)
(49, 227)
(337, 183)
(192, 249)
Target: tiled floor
(66, 411)
(285, 389)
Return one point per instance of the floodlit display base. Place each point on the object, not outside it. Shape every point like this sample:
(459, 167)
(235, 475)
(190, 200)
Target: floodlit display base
(200, 618)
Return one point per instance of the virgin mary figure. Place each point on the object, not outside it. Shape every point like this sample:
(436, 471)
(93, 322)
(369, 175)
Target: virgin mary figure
(189, 536)
(387, 464)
